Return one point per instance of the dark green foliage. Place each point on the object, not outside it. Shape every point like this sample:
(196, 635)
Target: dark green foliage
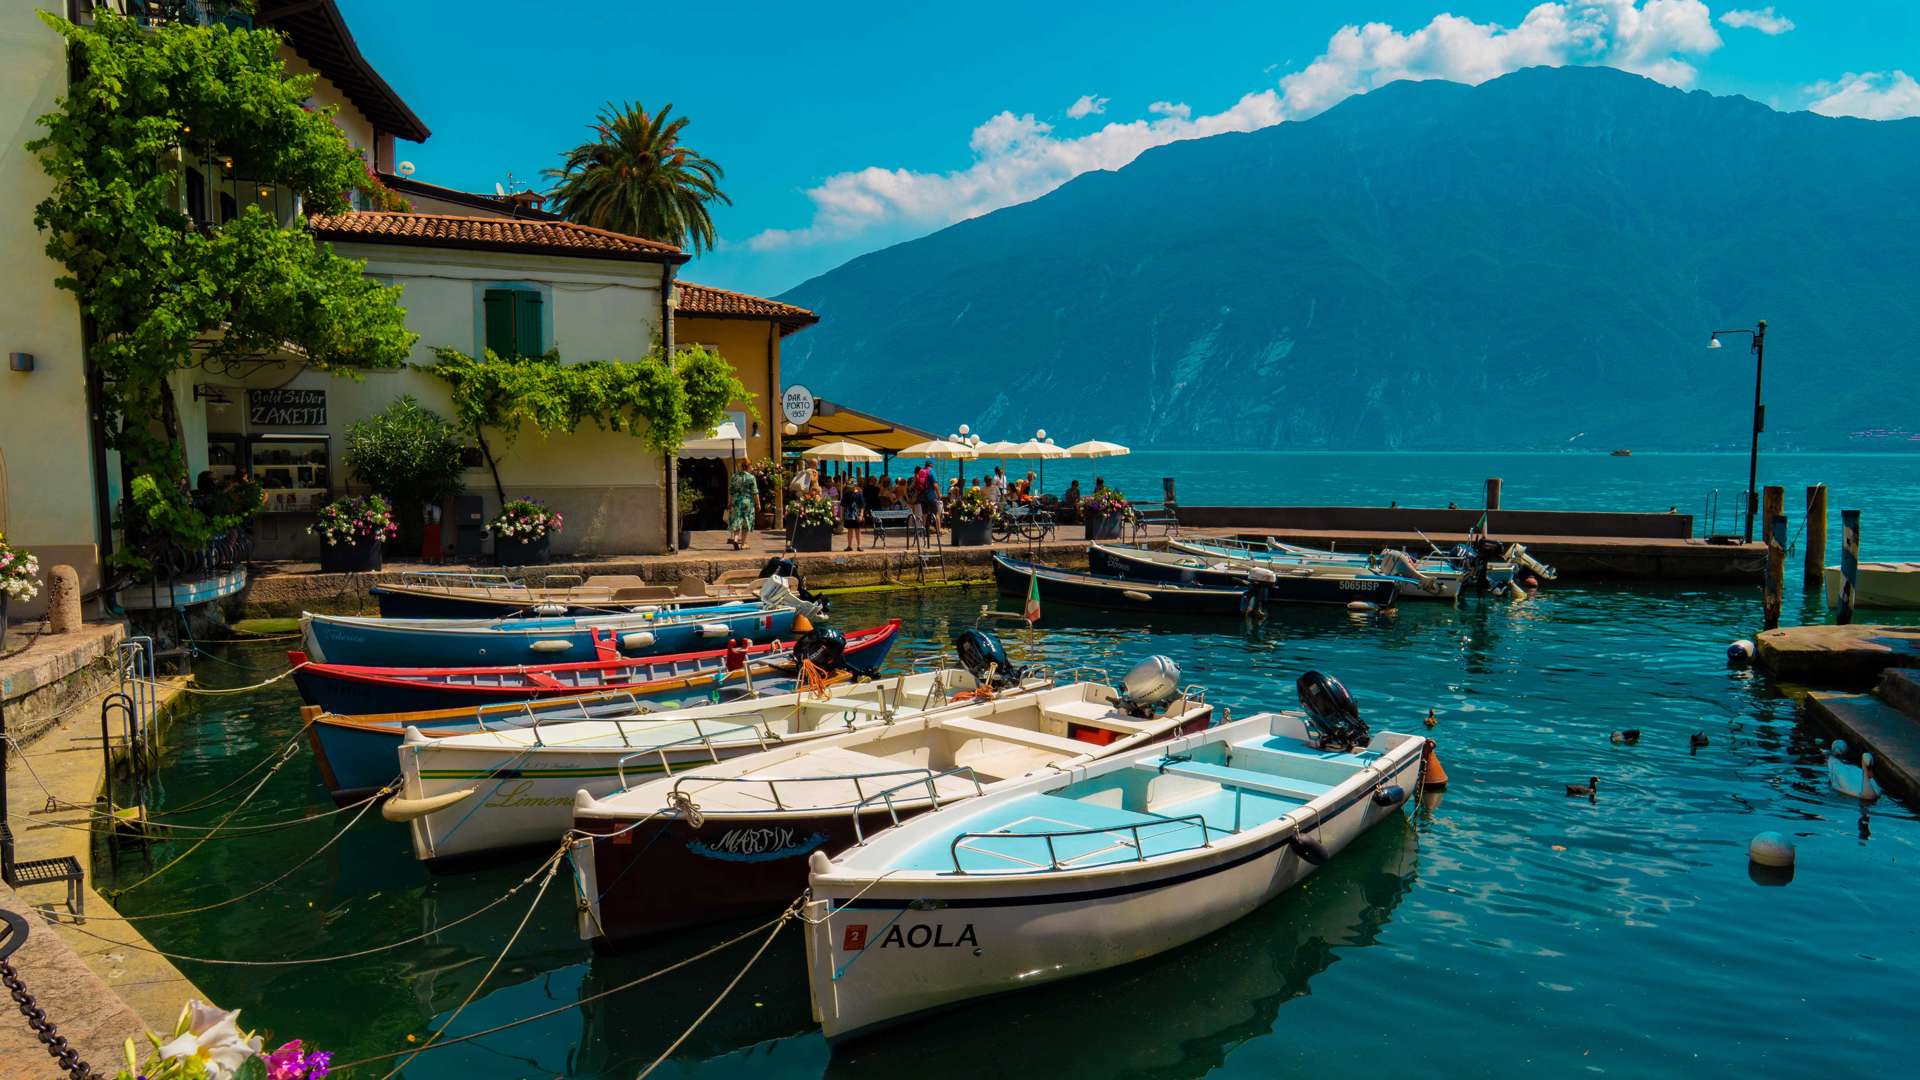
(636, 178)
(1427, 266)
(409, 454)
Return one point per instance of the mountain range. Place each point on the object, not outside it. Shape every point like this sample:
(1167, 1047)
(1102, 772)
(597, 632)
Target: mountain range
(1533, 262)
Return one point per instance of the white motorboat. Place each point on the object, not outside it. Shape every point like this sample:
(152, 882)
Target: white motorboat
(515, 786)
(733, 838)
(1070, 872)
(1878, 585)
(1430, 579)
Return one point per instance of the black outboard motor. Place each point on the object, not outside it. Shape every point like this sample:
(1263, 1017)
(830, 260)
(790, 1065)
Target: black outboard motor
(1331, 713)
(824, 646)
(980, 653)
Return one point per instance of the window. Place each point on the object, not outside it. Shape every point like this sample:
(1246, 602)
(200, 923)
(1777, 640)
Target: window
(514, 322)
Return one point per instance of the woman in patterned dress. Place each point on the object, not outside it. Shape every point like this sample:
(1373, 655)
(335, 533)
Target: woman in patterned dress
(743, 503)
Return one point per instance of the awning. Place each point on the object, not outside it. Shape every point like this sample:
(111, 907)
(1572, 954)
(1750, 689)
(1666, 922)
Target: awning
(832, 421)
(724, 442)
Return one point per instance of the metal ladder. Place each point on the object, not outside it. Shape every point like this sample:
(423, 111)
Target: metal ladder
(925, 549)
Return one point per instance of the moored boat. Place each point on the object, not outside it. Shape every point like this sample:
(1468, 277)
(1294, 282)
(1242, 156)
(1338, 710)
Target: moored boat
(733, 838)
(1417, 579)
(353, 639)
(354, 688)
(438, 594)
(1015, 577)
(1877, 585)
(1276, 584)
(1066, 873)
(484, 791)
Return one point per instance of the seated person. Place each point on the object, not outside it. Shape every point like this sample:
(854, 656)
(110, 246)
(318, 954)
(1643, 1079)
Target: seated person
(1070, 502)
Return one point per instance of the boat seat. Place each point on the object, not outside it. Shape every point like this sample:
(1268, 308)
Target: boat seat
(611, 582)
(692, 585)
(1085, 712)
(1023, 736)
(1228, 776)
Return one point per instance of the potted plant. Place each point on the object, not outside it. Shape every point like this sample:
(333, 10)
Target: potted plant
(1106, 513)
(690, 500)
(814, 520)
(773, 474)
(351, 531)
(19, 580)
(409, 454)
(523, 533)
(972, 516)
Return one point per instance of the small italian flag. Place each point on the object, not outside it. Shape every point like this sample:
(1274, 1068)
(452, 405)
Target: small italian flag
(1032, 610)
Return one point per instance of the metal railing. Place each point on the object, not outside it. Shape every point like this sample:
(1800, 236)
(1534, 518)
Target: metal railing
(700, 738)
(138, 684)
(930, 782)
(1053, 856)
(773, 785)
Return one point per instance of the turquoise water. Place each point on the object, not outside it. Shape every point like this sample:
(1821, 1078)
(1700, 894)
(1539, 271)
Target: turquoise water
(1503, 929)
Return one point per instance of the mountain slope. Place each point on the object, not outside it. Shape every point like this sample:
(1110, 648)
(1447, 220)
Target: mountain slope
(1428, 265)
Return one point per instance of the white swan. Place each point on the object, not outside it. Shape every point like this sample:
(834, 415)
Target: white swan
(1855, 781)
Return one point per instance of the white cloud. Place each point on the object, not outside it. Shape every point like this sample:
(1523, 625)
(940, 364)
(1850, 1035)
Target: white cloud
(1871, 95)
(1018, 158)
(1088, 105)
(1763, 20)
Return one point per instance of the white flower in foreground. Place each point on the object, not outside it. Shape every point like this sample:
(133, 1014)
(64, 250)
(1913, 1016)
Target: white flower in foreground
(211, 1037)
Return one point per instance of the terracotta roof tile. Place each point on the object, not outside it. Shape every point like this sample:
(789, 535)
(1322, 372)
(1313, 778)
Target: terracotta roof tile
(707, 301)
(490, 234)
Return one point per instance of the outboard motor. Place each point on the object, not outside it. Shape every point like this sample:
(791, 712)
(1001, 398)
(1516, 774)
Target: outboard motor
(824, 646)
(1332, 716)
(779, 567)
(1153, 682)
(981, 653)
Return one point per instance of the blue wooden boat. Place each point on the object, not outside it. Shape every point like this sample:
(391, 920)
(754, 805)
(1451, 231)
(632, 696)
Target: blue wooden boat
(356, 689)
(1277, 584)
(437, 594)
(1016, 576)
(353, 639)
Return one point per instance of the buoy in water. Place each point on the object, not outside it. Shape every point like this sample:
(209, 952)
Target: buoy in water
(1740, 652)
(1771, 849)
(1362, 605)
(1432, 774)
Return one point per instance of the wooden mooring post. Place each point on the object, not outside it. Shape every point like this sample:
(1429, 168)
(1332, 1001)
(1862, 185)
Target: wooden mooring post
(1493, 493)
(1816, 533)
(1849, 564)
(1773, 504)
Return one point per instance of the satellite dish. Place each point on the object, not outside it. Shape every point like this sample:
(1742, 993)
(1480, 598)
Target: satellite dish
(405, 168)
(499, 189)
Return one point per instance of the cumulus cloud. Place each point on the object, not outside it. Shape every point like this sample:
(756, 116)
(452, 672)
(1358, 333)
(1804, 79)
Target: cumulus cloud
(1018, 158)
(1871, 95)
(1088, 105)
(1763, 20)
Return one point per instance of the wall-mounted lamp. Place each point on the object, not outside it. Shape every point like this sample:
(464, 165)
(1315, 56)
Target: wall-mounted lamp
(756, 429)
(213, 395)
(20, 361)
(789, 429)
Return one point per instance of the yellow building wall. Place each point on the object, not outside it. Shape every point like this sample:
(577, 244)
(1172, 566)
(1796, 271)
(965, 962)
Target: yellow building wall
(607, 485)
(46, 473)
(752, 346)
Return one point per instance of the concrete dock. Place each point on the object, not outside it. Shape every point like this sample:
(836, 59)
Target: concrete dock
(1837, 657)
(1885, 722)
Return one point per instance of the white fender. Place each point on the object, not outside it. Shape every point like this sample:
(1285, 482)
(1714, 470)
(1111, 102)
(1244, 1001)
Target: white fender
(408, 809)
(714, 629)
(1136, 594)
(551, 645)
(638, 639)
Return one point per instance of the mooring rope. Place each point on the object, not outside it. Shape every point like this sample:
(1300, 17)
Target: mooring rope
(779, 925)
(355, 955)
(207, 692)
(213, 797)
(221, 824)
(578, 1002)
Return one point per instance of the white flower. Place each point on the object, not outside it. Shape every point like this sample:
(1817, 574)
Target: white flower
(211, 1037)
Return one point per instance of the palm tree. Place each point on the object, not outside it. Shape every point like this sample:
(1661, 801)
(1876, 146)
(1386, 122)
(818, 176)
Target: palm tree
(637, 179)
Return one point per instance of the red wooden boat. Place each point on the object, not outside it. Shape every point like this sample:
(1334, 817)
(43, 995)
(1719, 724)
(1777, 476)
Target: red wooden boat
(354, 689)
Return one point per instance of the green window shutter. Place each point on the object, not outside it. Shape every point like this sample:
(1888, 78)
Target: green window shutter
(527, 325)
(499, 309)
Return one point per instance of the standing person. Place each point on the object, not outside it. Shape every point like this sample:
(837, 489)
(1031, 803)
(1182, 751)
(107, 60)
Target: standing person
(743, 502)
(853, 513)
(1031, 477)
(801, 486)
(997, 486)
(929, 497)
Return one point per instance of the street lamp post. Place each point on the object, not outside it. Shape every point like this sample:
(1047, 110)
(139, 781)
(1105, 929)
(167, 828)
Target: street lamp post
(1759, 336)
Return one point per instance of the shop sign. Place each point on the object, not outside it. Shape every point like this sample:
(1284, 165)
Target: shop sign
(287, 408)
(797, 404)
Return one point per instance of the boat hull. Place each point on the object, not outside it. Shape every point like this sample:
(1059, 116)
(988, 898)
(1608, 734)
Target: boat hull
(539, 641)
(1878, 585)
(1118, 594)
(1307, 588)
(880, 954)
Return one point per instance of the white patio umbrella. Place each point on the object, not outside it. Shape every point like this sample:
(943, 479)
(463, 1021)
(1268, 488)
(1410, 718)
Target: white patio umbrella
(942, 450)
(840, 451)
(1094, 448)
(1036, 448)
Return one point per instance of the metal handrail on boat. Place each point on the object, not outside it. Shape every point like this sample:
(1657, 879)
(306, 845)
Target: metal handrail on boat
(445, 579)
(635, 706)
(1053, 857)
(772, 783)
(703, 738)
(930, 782)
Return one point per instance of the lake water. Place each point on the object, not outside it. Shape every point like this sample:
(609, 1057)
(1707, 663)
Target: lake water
(1502, 930)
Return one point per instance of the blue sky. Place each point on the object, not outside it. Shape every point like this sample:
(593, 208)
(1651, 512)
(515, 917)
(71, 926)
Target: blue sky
(846, 127)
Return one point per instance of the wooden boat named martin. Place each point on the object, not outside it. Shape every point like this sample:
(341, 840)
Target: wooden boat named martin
(733, 838)
(1274, 584)
(1069, 872)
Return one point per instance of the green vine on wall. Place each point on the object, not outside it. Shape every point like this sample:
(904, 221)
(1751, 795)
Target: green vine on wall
(660, 403)
(158, 293)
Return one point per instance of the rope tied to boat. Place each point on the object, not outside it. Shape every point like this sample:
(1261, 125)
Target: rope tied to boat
(814, 679)
(682, 803)
(221, 692)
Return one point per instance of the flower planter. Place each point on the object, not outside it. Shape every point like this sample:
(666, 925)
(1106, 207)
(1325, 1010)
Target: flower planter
(972, 533)
(358, 557)
(813, 538)
(1105, 526)
(522, 552)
